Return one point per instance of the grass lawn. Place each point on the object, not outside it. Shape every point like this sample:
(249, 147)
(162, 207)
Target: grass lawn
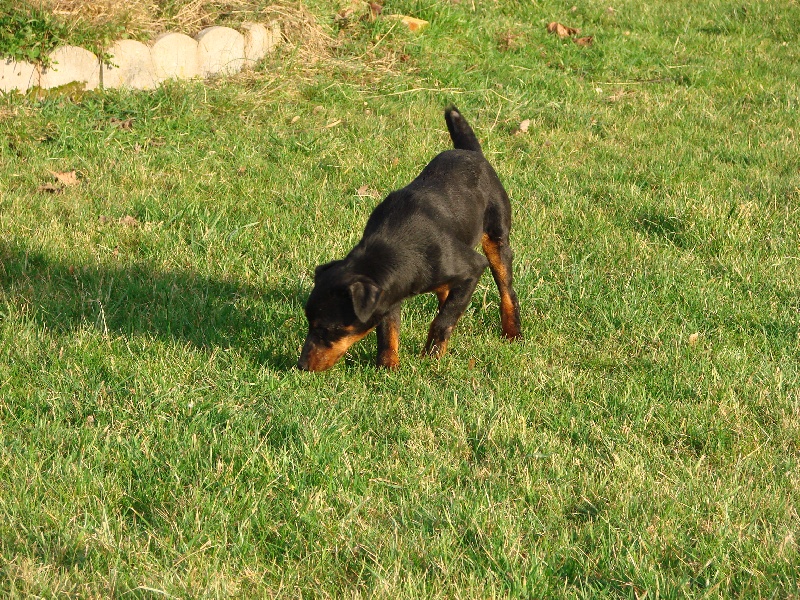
(642, 441)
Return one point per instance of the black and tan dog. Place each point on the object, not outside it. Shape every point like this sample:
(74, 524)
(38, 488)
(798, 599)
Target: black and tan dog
(420, 239)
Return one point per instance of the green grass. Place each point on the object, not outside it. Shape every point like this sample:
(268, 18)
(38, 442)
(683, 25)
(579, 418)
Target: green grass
(29, 32)
(155, 439)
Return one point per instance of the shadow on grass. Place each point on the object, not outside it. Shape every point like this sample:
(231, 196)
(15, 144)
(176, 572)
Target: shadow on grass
(668, 228)
(267, 325)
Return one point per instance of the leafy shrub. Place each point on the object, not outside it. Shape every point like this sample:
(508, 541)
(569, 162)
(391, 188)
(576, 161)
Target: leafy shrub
(28, 33)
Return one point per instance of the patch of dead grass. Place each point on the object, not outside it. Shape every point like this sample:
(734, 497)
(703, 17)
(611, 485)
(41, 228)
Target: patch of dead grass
(300, 28)
(185, 16)
(136, 16)
(310, 43)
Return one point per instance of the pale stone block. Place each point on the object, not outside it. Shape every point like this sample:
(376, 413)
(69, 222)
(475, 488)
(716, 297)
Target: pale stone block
(175, 57)
(275, 30)
(130, 65)
(69, 64)
(20, 76)
(257, 42)
(220, 51)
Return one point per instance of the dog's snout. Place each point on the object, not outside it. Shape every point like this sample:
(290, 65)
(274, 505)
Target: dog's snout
(303, 361)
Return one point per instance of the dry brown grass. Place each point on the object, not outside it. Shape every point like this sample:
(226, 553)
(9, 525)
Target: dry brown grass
(300, 28)
(144, 19)
(309, 40)
(135, 16)
(193, 15)
(186, 16)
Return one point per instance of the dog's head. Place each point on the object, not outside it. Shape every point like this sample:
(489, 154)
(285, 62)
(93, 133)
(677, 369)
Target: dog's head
(341, 310)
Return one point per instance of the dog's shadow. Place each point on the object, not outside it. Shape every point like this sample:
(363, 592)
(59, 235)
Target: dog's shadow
(265, 324)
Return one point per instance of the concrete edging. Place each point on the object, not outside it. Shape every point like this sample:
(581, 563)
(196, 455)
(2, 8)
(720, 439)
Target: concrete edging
(215, 51)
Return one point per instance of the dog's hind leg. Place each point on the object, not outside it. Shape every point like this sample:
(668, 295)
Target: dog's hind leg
(500, 257)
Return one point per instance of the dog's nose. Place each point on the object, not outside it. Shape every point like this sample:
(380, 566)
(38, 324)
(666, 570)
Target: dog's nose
(302, 362)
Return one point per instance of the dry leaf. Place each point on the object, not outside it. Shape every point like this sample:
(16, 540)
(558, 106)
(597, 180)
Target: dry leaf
(508, 41)
(342, 18)
(295, 119)
(66, 179)
(693, 339)
(618, 95)
(333, 123)
(375, 9)
(412, 23)
(105, 219)
(122, 123)
(50, 188)
(128, 221)
(584, 41)
(523, 126)
(562, 30)
(366, 191)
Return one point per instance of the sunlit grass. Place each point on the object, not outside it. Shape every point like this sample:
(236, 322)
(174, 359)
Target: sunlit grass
(643, 438)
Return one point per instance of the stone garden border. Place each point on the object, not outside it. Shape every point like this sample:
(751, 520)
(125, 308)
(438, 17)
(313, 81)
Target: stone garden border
(215, 51)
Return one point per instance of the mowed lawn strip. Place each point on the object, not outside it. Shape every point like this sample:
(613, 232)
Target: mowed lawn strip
(642, 440)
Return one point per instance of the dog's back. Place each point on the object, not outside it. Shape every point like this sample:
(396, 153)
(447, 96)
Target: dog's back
(451, 193)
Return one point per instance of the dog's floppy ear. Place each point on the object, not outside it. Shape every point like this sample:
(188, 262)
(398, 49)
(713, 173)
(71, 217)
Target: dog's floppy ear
(365, 296)
(322, 268)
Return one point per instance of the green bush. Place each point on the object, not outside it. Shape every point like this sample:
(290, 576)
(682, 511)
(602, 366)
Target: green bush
(28, 33)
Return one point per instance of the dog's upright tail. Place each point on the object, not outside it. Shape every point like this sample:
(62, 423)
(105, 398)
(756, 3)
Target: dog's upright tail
(461, 133)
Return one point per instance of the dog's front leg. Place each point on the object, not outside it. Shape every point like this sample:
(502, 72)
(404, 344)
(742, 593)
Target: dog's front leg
(389, 339)
(453, 301)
